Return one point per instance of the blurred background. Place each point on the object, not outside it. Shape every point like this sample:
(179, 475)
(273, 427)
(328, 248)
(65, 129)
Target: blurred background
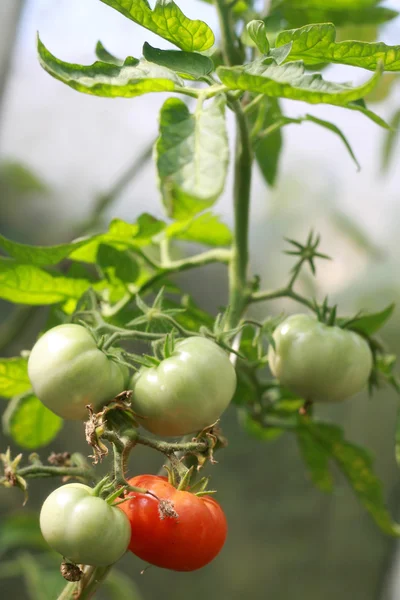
(60, 151)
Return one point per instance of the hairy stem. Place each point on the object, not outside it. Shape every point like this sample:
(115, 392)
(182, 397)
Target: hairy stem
(48, 471)
(84, 590)
(286, 292)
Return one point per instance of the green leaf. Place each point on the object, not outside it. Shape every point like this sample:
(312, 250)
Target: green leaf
(133, 78)
(356, 464)
(18, 180)
(189, 64)
(316, 44)
(316, 458)
(290, 81)
(119, 586)
(254, 429)
(167, 21)
(30, 423)
(258, 33)
(332, 127)
(117, 265)
(371, 323)
(192, 156)
(21, 530)
(13, 376)
(105, 56)
(204, 229)
(41, 255)
(28, 284)
(268, 148)
(391, 141)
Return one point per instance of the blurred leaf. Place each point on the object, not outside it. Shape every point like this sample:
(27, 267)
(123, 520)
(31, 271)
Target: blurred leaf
(332, 127)
(397, 439)
(350, 228)
(117, 265)
(120, 587)
(384, 366)
(41, 255)
(204, 229)
(193, 317)
(370, 323)
(14, 378)
(190, 64)
(28, 284)
(316, 458)
(254, 429)
(290, 81)
(316, 44)
(21, 530)
(133, 78)
(104, 56)
(268, 148)
(192, 156)
(390, 141)
(167, 21)
(17, 180)
(384, 88)
(247, 390)
(147, 227)
(30, 423)
(258, 34)
(356, 465)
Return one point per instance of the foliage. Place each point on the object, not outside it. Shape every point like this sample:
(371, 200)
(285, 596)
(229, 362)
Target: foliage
(121, 284)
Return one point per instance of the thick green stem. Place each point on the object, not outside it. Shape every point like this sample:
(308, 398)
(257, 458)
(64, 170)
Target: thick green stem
(238, 285)
(45, 471)
(286, 292)
(229, 43)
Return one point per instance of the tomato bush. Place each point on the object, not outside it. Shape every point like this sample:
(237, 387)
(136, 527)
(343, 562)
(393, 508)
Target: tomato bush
(319, 362)
(183, 543)
(187, 391)
(68, 371)
(82, 527)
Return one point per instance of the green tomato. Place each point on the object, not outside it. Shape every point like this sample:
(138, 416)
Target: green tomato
(83, 528)
(68, 371)
(319, 362)
(185, 392)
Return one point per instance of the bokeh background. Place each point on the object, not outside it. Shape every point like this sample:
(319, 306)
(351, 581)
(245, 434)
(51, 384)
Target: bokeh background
(60, 150)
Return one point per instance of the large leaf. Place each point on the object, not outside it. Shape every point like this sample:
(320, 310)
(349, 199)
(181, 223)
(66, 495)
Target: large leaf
(317, 458)
(13, 376)
(133, 78)
(192, 156)
(28, 284)
(390, 141)
(356, 465)
(167, 21)
(290, 81)
(189, 64)
(315, 44)
(204, 229)
(40, 255)
(370, 323)
(30, 423)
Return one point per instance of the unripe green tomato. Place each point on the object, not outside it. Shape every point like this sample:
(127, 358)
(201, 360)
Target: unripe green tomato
(319, 362)
(185, 392)
(83, 528)
(68, 371)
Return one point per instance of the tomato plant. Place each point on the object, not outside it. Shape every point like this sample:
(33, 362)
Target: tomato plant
(112, 292)
(185, 542)
(317, 361)
(83, 528)
(187, 392)
(68, 371)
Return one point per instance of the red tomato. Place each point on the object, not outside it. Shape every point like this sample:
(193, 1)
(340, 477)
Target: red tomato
(184, 543)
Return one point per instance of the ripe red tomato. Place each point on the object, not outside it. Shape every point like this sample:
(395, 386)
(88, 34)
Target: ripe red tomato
(184, 543)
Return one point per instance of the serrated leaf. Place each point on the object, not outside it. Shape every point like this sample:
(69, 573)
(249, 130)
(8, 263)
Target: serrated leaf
(356, 464)
(258, 33)
(204, 229)
(167, 21)
(14, 378)
(133, 78)
(316, 458)
(316, 44)
(371, 323)
(192, 156)
(189, 64)
(105, 56)
(30, 423)
(28, 284)
(290, 81)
